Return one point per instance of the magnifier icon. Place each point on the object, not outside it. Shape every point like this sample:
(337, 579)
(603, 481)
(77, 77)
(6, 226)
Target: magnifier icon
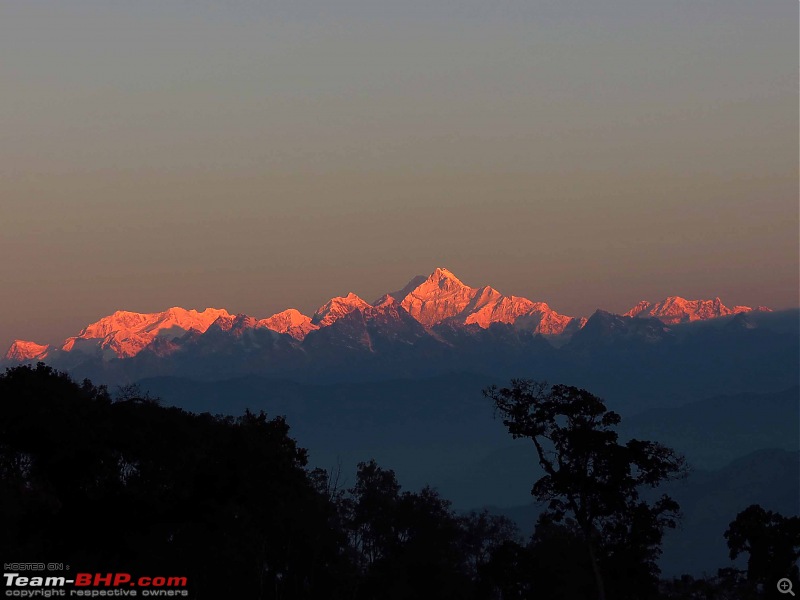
(785, 586)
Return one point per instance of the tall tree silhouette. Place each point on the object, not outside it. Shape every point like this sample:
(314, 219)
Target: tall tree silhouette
(594, 481)
(771, 541)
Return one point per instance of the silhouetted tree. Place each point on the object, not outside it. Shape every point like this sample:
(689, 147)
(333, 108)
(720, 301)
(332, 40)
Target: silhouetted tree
(727, 584)
(563, 567)
(409, 545)
(482, 534)
(552, 565)
(772, 543)
(592, 482)
(372, 513)
(509, 574)
(133, 486)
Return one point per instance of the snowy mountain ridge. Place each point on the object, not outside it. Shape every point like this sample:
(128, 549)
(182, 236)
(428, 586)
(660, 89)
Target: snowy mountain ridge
(440, 299)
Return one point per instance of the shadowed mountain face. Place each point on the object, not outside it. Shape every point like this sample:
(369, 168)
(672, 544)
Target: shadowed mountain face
(636, 363)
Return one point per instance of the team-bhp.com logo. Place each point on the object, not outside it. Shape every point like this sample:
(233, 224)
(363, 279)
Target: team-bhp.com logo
(93, 585)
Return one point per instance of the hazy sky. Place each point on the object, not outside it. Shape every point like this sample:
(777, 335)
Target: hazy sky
(256, 155)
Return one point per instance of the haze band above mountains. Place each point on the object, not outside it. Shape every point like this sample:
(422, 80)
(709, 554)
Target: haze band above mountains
(408, 314)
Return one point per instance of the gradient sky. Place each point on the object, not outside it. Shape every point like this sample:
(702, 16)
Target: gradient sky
(257, 155)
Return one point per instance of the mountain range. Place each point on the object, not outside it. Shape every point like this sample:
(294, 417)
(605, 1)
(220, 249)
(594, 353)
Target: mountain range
(404, 316)
(399, 379)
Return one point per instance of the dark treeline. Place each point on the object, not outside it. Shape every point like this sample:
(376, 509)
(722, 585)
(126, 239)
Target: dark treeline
(124, 484)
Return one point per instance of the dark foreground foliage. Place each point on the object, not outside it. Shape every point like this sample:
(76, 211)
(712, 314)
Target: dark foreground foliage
(132, 486)
(124, 484)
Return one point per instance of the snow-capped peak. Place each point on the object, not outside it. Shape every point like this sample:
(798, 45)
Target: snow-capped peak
(290, 321)
(125, 333)
(675, 309)
(640, 307)
(445, 279)
(338, 307)
(443, 296)
(397, 296)
(22, 350)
